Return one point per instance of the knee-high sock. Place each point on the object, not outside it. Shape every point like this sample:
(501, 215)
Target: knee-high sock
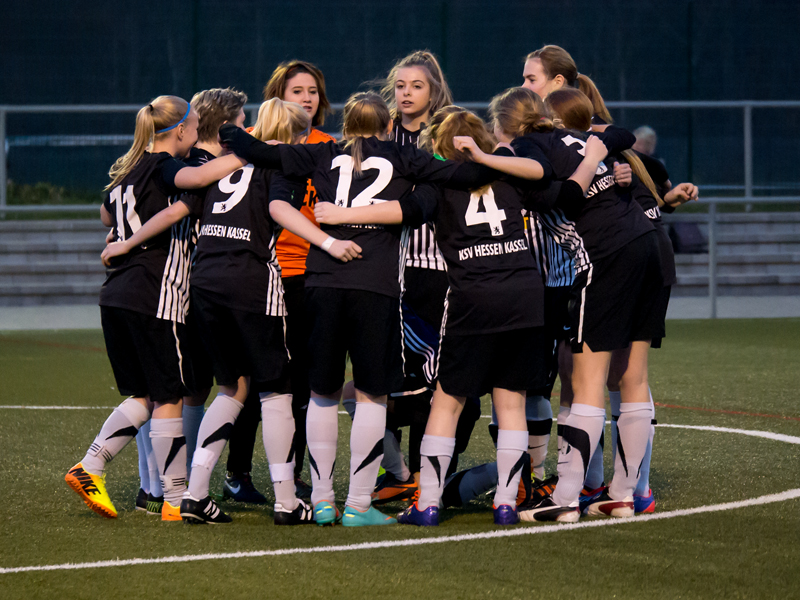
(366, 452)
(643, 486)
(635, 422)
(192, 417)
(511, 459)
(581, 435)
(169, 449)
(393, 460)
(469, 484)
(594, 474)
(211, 439)
(152, 464)
(563, 415)
(277, 428)
(322, 429)
(144, 471)
(120, 428)
(539, 415)
(436, 452)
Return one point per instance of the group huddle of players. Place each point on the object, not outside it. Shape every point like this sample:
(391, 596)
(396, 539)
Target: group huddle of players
(445, 257)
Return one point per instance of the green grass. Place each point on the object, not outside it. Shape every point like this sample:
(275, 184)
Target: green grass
(746, 366)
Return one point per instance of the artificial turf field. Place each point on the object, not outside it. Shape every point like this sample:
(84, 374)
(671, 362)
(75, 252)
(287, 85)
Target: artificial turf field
(743, 374)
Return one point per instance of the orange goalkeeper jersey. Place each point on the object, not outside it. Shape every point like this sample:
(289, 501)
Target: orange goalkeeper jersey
(292, 249)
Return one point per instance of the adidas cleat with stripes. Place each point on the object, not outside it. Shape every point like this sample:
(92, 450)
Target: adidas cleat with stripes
(303, 514)
(372, 516)
(92, 489)
(546, 510)
(326, 513)
(196, 512)
(605, 506)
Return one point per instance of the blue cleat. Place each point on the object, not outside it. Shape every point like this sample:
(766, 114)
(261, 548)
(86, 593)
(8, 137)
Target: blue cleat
(588, 496)
(326, 513)
(414, 516)
(372, 516)
(644, 504)
(505, 515)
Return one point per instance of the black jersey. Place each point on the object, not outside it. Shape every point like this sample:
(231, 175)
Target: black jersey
(235, 262)
(153, 278)
(388, 173)
(650, 207)
(609, 219)
(422, 250)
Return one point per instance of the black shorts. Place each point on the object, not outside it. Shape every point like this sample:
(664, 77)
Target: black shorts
(145, 354)
(661, 309)
(364, 324)
(615, 301)
(243, 344)
(473, 365)
(198, 368)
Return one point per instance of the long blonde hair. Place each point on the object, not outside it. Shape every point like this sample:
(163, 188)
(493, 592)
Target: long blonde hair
(365, 115)
(519, 111)
(440, 92)
(638, 168)
(162, 112)
(280, 120)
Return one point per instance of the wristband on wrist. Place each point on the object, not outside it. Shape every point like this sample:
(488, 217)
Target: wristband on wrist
(326, 245)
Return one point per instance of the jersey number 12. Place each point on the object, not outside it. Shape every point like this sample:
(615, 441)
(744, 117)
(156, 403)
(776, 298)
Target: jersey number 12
(344, 163)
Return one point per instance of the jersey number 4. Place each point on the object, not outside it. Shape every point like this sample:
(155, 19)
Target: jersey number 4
(344, 163)
(236, 190)
(490, 215)
(125, 205)
(569, 140)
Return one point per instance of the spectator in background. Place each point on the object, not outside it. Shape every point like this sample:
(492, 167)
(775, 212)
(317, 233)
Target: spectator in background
(646, 140)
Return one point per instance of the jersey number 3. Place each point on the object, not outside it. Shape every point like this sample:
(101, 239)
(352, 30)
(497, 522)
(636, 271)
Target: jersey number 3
(569, 140)
(490, 215)
(344, 163)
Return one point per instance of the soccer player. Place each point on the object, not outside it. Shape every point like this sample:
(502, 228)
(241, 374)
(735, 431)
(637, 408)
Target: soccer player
(143, 302)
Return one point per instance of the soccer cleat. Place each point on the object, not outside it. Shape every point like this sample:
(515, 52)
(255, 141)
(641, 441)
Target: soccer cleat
(92, 488)
(644, 504)
(170, 513)
(372, 516)
(545, 509)
(206, 510)
(505, 514)
(303, 514)
(526, 481)
(392, 489)
(423, 518)
(590, 495)
(326, 513)
(239, 488)
(154, 504)
(141, 500)
(605, 506)
(301, 488)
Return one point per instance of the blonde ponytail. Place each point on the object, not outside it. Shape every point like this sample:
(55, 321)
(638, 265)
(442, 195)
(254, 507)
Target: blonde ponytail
(281, 121)
(637, 166)
(519, 111)
(365, 115)
(162, 113)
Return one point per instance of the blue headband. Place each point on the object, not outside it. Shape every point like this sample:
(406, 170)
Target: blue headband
(188, 110)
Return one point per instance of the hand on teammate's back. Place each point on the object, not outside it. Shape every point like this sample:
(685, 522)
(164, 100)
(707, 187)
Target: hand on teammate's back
(623, 174)
(681, 193)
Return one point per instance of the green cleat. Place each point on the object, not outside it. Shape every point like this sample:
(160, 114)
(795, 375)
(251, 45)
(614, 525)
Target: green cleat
(326, 513)
(372, 516)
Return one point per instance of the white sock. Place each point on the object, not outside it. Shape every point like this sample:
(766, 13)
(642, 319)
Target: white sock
(436, 453)
(594, 474)
(511, 459)
(539, 415)
(581, 435)
(563, 415)
(120, 428)
(211, 439)
(169, 449)
(277, 428)
(144, 471)
(366, 452)
(643, 486)
(393, 461)
(635, 422)
(192, 417)
(322, 432)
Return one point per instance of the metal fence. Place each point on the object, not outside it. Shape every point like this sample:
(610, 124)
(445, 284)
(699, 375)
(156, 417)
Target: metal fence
(746, 106)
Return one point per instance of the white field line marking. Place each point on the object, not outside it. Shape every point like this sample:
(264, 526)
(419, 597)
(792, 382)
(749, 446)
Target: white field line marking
(779, 437)
(761, 500)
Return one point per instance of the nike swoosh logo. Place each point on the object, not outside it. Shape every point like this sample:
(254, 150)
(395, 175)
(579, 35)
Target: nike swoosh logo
(234, 488)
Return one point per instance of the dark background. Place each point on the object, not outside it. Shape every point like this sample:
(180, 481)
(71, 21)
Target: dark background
(129, 52)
